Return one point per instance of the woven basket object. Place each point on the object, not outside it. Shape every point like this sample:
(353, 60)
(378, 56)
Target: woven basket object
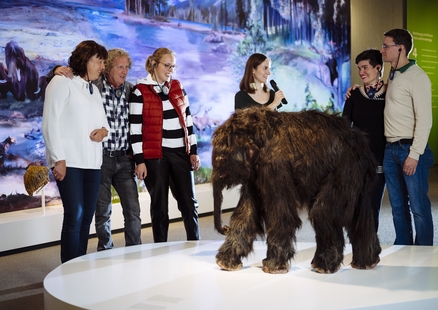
(35, 178)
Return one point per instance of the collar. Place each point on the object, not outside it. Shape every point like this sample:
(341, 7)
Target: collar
(147, 80)
(108, 84)
(371, 90)
(406, 67)
(85, 85)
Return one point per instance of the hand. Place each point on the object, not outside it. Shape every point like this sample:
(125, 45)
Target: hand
(348, 94)
(64, 71)
(279, 95)
(59, 170)
(410, 166)
(97, 135)
(195, 161)
(141, 171)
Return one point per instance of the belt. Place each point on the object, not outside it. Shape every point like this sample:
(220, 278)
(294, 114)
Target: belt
(402, 141)
(114, 153)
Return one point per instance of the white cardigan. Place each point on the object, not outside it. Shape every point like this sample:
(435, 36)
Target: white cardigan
(70, 114)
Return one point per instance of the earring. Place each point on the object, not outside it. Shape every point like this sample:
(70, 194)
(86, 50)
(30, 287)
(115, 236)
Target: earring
(379, 70)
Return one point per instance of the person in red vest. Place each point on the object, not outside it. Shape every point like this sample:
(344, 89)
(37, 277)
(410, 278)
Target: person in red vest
(164, 144)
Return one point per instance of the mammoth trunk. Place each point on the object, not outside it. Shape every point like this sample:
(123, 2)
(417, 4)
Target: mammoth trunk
(218, 198)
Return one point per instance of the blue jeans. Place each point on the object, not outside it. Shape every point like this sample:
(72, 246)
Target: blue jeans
(118, 172)
(78, 192)
(409, 194)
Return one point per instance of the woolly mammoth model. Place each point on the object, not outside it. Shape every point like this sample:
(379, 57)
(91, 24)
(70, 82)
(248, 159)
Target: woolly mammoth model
(286, 162)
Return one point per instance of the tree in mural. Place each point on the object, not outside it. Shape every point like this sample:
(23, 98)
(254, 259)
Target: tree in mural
(255, 41)
(242, 9)
(135, 6)
(320, 26)
(323, 25)
(223, 15)
(149, 7)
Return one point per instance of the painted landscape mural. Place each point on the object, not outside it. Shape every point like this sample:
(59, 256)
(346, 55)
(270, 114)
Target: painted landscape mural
(307, 41)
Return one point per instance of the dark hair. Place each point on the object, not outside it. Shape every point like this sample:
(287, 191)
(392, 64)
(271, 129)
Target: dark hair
(83, 53)
(374, 56)
(248, 77)
(401, 37)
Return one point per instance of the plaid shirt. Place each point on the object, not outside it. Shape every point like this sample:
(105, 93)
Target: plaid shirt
(117, 113)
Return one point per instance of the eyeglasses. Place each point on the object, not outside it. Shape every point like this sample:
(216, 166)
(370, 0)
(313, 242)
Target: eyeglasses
(169, 66)
(384, 46)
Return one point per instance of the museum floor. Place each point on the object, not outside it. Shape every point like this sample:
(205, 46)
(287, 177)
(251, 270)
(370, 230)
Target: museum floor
(22, 274)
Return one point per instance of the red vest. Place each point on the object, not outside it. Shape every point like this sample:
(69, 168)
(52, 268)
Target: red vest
(152, 128)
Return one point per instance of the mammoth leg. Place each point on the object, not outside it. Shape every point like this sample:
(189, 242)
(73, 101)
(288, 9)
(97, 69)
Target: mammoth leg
(281, 218)
(327, 218)
(281, 236)
(330, 243)
(244, 226)
(365, 251)
(31, 81)
(363, 237)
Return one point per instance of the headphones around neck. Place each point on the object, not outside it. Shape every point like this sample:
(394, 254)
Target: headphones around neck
(164, 88)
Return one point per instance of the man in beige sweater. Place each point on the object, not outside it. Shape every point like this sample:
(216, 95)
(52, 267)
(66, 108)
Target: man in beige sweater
(408, 120)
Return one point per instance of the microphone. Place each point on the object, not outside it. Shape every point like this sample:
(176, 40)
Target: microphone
(276, 89)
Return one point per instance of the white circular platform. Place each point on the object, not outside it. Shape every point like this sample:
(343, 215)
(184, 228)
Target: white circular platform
(184, 275)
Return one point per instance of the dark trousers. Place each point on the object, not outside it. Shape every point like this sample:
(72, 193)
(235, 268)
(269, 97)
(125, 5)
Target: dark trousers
(377, 196)
(118, 172)
(176, 168)
(78, 191)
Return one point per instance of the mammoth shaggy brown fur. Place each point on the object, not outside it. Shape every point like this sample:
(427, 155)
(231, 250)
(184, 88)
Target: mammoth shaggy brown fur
(285, 162)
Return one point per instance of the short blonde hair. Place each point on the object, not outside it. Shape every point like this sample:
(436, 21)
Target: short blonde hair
(112, 55)
(156, 57)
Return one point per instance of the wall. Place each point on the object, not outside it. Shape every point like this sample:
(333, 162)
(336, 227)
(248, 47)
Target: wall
(31, 227)
(424, 29)
(369, 20)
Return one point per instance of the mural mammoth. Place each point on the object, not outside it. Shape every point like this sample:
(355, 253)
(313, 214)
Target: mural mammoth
(286, 162)
(22, 74)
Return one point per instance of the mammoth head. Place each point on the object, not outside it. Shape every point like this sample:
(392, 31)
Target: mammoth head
(10, 140)
(238, 143)
(234, 154)
(232, 160)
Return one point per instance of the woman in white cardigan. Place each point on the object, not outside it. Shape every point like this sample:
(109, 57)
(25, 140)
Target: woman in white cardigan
(74, 125)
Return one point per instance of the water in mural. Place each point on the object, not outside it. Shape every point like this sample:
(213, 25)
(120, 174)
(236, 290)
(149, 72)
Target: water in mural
(307, 41)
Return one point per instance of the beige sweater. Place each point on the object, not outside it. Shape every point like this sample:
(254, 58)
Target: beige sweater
(408, 109)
